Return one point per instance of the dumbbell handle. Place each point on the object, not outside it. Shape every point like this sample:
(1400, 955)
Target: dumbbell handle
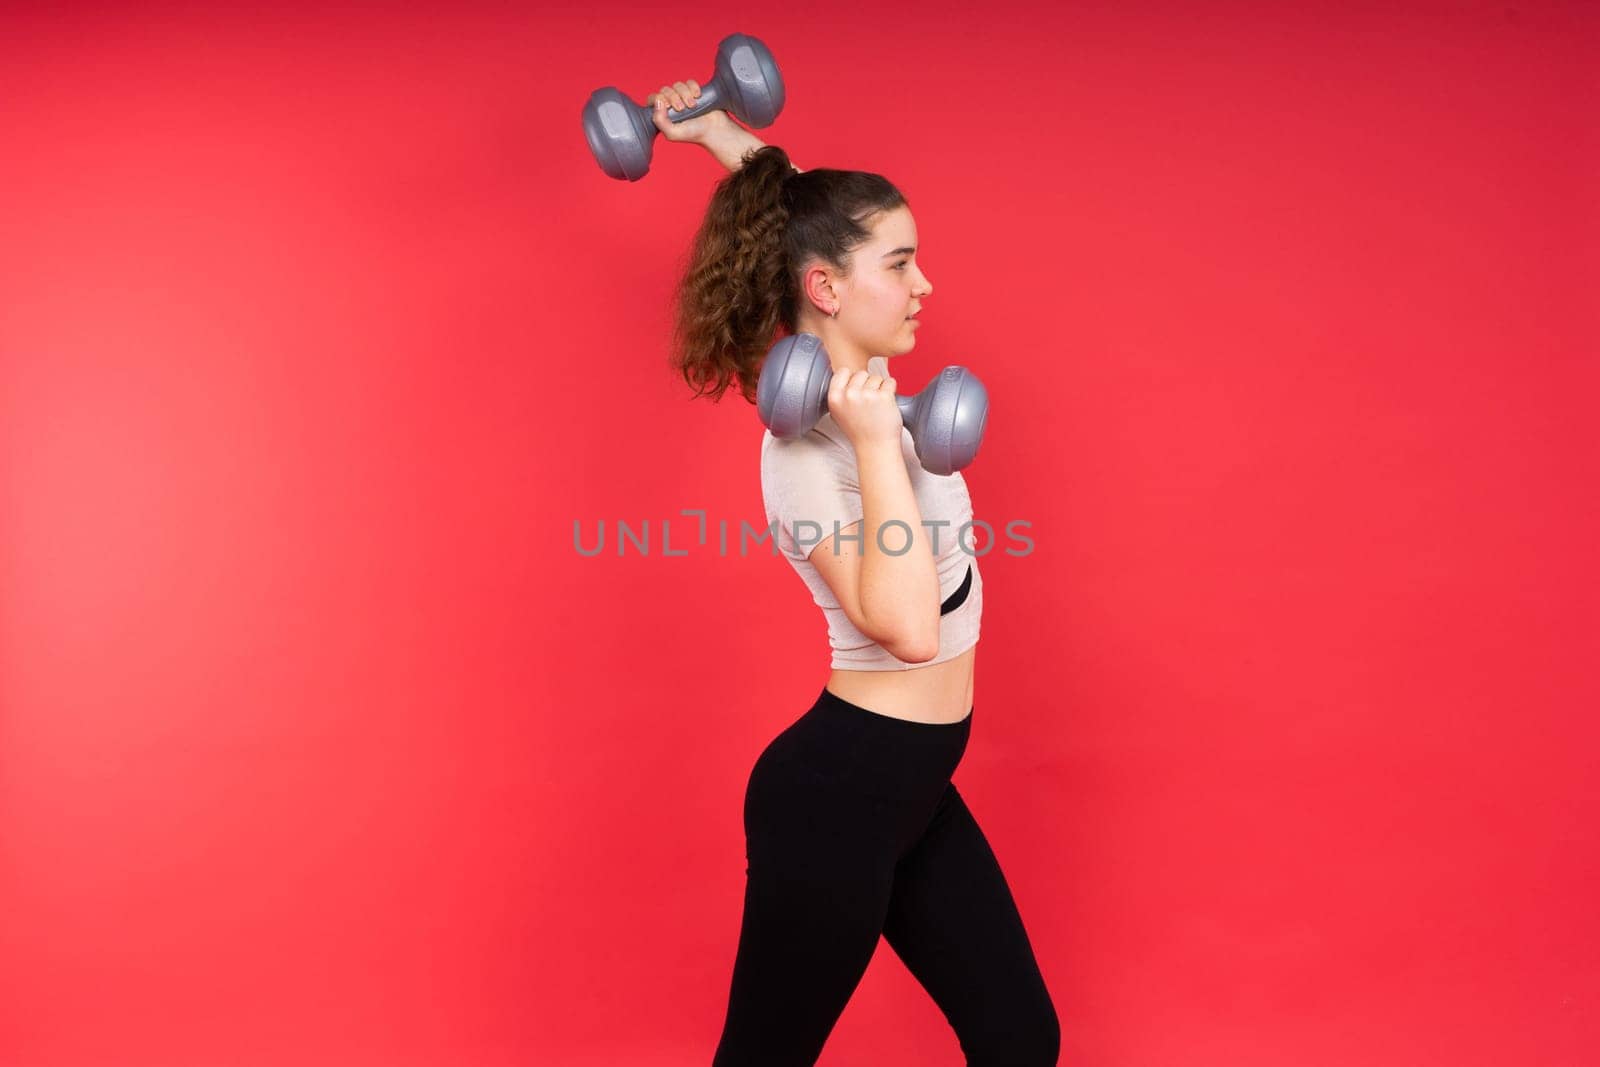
(906, 404)
(709, 100)
(613, 119)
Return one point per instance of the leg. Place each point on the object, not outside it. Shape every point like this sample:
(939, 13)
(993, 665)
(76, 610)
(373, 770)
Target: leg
(953, 922)
(816, 891)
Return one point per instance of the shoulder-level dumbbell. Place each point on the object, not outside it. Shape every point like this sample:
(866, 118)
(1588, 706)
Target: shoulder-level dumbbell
(946, 418)
(622, 134)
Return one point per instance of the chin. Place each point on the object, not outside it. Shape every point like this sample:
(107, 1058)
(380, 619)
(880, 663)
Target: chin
(893, 346)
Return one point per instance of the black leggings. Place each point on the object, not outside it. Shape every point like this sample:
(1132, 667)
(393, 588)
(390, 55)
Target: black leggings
(853, 829)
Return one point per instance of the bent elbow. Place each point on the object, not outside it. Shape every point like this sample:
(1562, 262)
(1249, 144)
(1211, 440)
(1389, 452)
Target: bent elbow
(919, 648)
(909, 636)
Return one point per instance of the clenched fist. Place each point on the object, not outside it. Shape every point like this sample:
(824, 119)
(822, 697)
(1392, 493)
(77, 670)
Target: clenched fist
(681, 96)
(863, 405)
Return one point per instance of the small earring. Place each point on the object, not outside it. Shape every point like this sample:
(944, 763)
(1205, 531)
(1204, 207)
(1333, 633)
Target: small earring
(835, 314)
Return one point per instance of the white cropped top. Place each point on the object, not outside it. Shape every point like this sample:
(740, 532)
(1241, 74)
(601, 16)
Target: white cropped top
(813, 479)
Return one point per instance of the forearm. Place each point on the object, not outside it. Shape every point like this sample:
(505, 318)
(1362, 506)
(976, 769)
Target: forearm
(899, 592)
(729, 143)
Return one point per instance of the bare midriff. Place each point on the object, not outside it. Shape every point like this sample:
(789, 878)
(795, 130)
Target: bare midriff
(940, 693)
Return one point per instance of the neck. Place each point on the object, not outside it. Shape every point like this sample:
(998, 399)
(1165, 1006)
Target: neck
(843, 354)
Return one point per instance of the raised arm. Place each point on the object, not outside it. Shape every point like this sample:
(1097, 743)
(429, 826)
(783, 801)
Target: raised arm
(730, 142)
(715, 131)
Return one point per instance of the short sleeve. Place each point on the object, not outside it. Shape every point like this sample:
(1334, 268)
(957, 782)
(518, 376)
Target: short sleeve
(811, 480)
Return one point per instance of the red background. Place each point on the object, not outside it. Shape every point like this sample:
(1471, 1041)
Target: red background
(320, 744)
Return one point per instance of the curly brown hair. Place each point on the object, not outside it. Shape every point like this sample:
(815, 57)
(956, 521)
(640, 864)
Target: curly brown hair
(764, 222)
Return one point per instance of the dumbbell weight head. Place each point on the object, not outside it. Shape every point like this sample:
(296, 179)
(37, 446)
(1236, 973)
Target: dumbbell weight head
(946, 418)
(622, 134)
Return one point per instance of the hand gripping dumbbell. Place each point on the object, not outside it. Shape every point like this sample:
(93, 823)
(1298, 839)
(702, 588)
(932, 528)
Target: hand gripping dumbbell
(622, 134)
(946, 418)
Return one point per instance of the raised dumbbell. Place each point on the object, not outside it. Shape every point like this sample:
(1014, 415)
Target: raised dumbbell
(946, 418)
(622, 134)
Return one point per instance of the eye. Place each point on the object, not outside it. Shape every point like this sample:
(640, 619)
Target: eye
(901, 265)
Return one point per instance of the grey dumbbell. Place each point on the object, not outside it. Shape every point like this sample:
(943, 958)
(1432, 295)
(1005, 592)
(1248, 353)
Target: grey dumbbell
(622, 134)
(946, 418)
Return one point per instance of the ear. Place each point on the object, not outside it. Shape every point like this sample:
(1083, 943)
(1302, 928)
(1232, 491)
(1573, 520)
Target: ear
(817, 288)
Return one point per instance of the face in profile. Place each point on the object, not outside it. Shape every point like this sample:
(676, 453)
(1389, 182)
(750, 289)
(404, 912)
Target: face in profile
(886, 287)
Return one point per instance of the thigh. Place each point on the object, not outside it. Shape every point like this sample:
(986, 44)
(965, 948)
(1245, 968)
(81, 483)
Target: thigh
(953, 921)
(817, 888)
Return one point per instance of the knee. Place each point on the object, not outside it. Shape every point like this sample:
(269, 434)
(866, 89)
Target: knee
(1031, 1039)
(1039, 1043)
(1048, 1045)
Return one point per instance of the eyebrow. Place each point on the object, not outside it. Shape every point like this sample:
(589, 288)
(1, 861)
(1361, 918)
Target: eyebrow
(896, 252)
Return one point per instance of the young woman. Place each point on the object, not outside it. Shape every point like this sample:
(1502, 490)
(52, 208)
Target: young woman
(853, 828)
